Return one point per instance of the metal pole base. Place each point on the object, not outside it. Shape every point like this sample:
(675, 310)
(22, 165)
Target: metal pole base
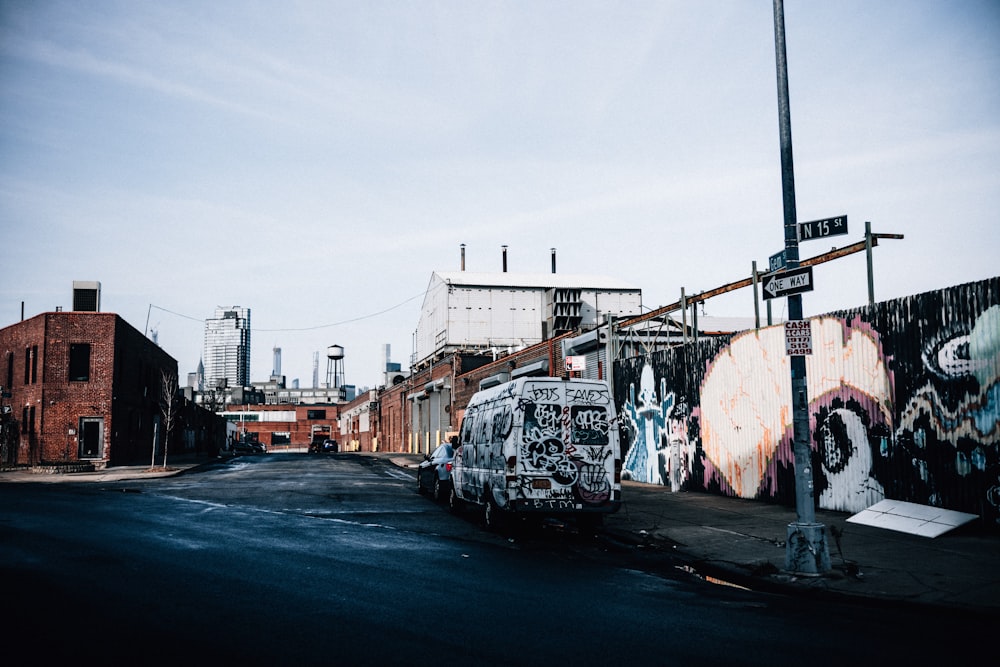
(806, 551)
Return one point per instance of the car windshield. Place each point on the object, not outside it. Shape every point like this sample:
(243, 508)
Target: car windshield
(443, 452)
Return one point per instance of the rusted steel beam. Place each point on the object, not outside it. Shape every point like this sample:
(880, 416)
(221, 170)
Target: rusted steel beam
(836, 253)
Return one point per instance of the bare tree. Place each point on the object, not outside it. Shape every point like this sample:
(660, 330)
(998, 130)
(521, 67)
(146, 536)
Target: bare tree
(168, 408)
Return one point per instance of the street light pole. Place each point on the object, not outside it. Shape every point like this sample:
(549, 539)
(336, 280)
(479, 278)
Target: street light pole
(806, 550)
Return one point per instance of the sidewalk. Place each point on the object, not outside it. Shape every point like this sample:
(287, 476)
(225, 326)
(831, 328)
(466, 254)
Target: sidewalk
(742, 542)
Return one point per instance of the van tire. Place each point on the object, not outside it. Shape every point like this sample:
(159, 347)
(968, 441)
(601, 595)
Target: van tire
(492, 514)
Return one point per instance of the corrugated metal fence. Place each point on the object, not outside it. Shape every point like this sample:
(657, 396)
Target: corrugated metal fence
(904, 402)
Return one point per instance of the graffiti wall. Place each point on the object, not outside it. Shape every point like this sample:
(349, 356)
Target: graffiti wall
(904, 403)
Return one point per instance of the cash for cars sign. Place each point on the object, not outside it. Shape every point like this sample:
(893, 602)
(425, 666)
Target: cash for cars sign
(798, 338)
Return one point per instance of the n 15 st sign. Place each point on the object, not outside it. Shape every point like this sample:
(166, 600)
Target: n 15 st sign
(798, 338)
(818, 229)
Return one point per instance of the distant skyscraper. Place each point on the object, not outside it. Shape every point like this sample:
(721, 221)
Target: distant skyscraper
(227, 348)
(196, 380)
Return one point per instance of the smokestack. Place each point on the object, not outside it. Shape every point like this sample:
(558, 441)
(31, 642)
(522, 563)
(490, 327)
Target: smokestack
(553, 260)
(463, 257)
(504, 258)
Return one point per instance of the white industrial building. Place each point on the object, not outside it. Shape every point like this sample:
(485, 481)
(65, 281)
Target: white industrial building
(465, 311)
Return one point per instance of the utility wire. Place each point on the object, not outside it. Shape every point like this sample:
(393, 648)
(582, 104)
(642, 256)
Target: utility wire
(354, 319)
(319, 326)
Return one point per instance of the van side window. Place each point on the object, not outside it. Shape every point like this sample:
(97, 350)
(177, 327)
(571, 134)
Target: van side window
(590, 424)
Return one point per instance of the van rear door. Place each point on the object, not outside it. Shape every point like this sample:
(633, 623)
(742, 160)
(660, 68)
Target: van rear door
(568, 449)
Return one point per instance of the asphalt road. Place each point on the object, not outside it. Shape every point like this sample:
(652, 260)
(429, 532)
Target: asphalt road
(296, 559)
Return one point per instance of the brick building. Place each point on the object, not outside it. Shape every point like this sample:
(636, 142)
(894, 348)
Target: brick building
(419, 411)
(86, 387)
(287, 426)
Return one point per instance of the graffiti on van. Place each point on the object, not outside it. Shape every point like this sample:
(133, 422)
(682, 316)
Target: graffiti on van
(576, 461)
(543, 444)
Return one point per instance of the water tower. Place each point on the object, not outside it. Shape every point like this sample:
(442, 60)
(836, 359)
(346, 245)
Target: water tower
(334, 366)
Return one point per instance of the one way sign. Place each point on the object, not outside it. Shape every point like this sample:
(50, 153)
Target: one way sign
(793, 281)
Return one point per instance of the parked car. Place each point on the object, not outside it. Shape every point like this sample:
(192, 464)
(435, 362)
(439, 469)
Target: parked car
(326, 447)
(249, 447)
(434, 472)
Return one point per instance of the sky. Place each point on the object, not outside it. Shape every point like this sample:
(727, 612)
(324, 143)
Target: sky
(317, 161)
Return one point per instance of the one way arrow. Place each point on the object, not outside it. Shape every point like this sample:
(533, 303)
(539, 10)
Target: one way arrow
(793, 281)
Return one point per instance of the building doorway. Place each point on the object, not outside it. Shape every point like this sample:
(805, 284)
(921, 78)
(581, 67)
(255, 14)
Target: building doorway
(91, 437)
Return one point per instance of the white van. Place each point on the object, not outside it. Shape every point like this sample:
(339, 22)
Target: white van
(539, 445)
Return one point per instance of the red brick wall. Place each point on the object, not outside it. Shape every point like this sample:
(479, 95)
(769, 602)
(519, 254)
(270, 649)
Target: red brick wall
(14, 340)
(394, 417)
(467, 384)
(394, 427)
(300, 430)
(65, 401)
(123, 389)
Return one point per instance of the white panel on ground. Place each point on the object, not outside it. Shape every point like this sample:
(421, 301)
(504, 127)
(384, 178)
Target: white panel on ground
(912, 518)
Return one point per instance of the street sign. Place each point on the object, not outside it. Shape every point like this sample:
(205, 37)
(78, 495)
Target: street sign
(777, 261)
(793, 281)
(798, 338)
(818, 229)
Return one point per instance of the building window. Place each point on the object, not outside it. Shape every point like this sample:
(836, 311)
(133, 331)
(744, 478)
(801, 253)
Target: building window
(316, 414)
(281, 438)
(10, 372)
(27, 365)
(79, 362)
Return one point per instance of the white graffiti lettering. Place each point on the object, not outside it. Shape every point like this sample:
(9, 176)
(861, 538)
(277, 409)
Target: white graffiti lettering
(553, 504)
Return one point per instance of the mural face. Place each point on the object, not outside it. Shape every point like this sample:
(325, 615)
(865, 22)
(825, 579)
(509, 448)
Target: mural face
(845, 439)
(904, 402)
(746, 412)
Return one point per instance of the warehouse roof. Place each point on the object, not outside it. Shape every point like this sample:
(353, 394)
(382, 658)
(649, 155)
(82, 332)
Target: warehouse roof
(535, 280)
